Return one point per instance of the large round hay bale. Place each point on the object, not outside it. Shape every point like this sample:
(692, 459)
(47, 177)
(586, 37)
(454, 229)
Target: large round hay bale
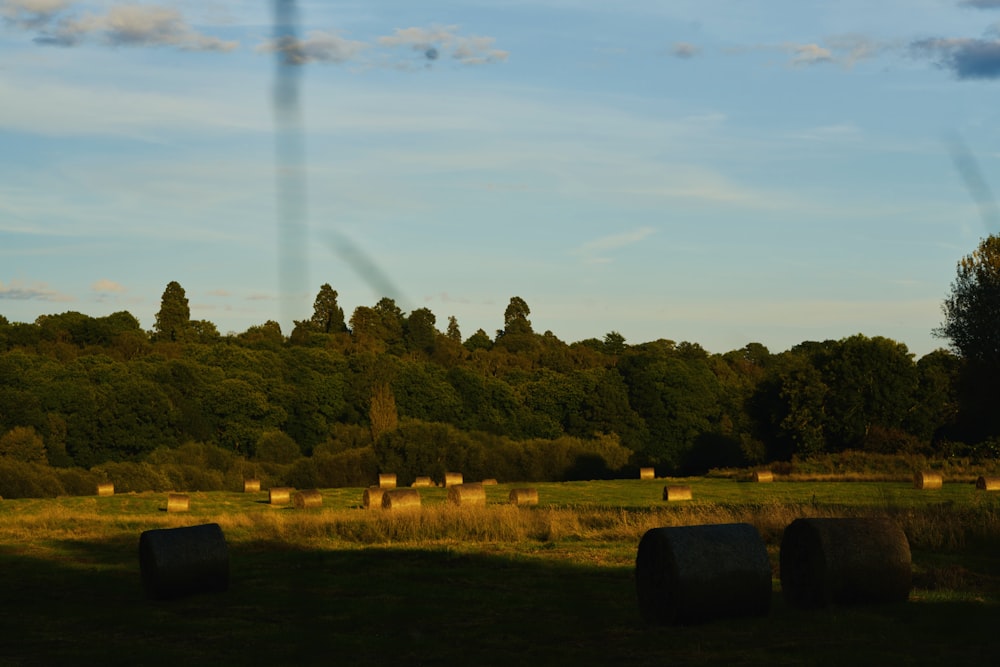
(452, 478)
(280, 495)
(307, 499)
(401, 499)
(175, 562)
(672, 493)
(692, 574)
(372, 498)
(467, 495)
(647, 473)
(988, 483)
(844, 561)
(489, 481)
(523, 497)
(928, 480)
(105, 489)
(420, 482)
(251, 486)
(762, 476)
(387, 480)
(178, 502)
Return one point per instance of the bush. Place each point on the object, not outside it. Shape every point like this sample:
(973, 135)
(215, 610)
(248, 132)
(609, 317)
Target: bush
(19, 479)
(128, 476)
(276, 447)
(78, 482)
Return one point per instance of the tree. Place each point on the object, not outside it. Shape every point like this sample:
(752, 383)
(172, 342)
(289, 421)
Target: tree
(173, 321)
(972, 310)
(453, 333)
(328, 316)
(515, 317)
(22, 443)
(421, 335)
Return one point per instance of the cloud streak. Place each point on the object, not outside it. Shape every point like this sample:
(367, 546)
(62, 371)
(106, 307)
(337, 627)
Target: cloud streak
(593, 251)
(15, 291)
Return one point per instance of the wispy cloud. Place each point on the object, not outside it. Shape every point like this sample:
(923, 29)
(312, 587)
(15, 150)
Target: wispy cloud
(31, 14)
(684, 50)
(966, 58)
(594, 251)
(17, 291)
(981, 4)
(436, 42)
(105, 286)
(318, 46)
(846, 50)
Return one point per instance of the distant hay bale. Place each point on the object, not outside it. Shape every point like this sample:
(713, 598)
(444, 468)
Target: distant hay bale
(280, 495)
(175, 562)
(489, 482)
(307, 499)
(762, 476)
(401, 499)
(372, 498)
(647, 473)
(105, 489)
(928, 480)
(988, 483)
(693, 574)
(178, 502)
(523, 496)
(844, 561)
(452, 478)
(422, 482)
(251, 486)
(387, 480)
(467, 495)
(672, 493)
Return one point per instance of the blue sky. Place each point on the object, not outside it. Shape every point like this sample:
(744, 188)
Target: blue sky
(721, 172)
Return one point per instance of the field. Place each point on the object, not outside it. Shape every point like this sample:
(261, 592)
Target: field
(500, 585)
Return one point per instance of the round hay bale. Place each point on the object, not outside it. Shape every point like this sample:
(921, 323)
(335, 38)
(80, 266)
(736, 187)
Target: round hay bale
(422, 482)
(988, 483)
(844, 561)
(523, 496)
(693, 574)
(467, 495)
(489, 482)
(372, 498)
(452, 478)
(762, 476)
(280, 495)
(401, 499)
(647, 473)
(672, 493)
(178, 502)
(927, 480)
(175, 562)
(105, 489)
(251, 486)
(387, 480)
(307, 499)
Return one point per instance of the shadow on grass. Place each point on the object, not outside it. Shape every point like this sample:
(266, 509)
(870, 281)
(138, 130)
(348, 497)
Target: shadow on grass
(83, 604)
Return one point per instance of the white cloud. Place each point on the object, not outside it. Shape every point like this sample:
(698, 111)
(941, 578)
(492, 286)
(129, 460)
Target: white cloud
(105, 286)
(318, 46)
(592, 249)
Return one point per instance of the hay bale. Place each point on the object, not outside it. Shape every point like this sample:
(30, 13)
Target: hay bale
(372, 498)
(452, 478)
(647, 473)
(467, 495)
(280, 495)
(175, 562)
(693, 574)
(178, 502)
(401, 499)
(387, 480)
(105, 489)
(422, 482)
(762, 476)
(988, 483)
(251, 486)
(672, 493)
(523, 497)
(844, 561)
(927, 480)
(489, 482)
(307, 499)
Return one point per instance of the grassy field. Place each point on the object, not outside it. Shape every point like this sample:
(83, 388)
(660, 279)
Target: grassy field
(500, 585)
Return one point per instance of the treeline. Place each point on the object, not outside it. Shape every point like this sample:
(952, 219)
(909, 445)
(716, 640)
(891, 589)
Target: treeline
(336, 401)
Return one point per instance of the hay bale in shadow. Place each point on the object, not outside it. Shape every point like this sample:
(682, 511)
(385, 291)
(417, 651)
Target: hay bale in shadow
(178, 502)
(672, 493)
(467, 495)
(693, 574)
(452, 478)
(280, 495)
(251, 486)
(420, 482)
(387, 480)
(372, 497)
(523, 497)
(489, 481)
(988, 483)
(106, 489)
(762, 476)
(928, 480)
(401, 499)
(647, 473)
(176, 562)
(844, 561)
(303, 500)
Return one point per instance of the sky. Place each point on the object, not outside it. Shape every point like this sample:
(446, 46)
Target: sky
(713, 171)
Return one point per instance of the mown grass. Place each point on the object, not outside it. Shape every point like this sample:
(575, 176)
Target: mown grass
(551, 584)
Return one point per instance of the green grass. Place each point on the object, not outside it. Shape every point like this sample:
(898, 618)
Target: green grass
(500, 585)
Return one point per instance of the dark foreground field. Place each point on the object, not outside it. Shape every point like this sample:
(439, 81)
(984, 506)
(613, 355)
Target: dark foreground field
(493, 586)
